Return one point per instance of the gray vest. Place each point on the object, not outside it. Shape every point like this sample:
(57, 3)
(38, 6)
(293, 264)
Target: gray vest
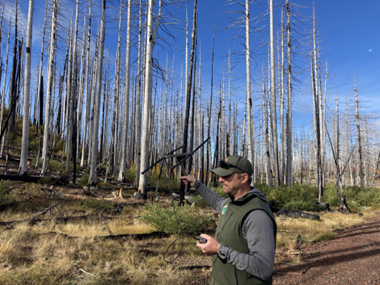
(228, 233)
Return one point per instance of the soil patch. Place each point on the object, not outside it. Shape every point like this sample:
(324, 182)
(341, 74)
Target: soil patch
(352, 257)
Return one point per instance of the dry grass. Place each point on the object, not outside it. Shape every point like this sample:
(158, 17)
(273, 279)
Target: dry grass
(311, 231)
(35, 255)
(32, 255)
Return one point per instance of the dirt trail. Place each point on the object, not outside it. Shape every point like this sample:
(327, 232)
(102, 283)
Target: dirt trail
(352, 257)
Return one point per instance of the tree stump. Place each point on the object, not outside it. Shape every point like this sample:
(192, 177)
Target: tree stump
(343, 205)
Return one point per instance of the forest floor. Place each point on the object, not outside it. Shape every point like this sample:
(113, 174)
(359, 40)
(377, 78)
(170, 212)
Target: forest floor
(51, 251)
(351, 257)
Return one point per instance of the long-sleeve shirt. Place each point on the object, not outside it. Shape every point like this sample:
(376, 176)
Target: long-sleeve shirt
(257, 229)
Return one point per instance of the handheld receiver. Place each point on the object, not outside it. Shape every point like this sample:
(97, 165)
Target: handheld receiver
(202, 240)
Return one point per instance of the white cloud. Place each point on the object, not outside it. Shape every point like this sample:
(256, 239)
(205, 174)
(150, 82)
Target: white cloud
(370, 50)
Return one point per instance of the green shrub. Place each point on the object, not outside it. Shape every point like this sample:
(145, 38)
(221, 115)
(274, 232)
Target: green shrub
(219, 191)
(46, 180)
(55, 165)
(33, 146)
(130, 174)
(202, 203)
(6, 198)
(368, 197)
(83, 181)
(97, 204)
(355, 196)
(166, 184)
(303, 206)
(298, 197)
(164, 219)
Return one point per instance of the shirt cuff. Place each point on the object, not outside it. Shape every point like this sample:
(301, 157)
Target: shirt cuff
(223, 252)
(197, 183)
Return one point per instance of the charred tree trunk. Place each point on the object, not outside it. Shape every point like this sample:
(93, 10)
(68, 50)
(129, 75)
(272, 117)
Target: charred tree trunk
(188, 94)
(208, 151)
(360, 147)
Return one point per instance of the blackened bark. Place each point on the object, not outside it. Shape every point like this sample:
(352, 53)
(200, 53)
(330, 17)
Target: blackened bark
(209, 111)
(41, 95)
(188, 95)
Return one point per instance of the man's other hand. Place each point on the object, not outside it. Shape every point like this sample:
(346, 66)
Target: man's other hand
(188, 180)
(210, 247)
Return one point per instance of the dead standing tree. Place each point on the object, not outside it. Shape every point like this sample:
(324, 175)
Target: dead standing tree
(273, 95)
(360, 147)
(71, 92)
(208, 151)
(25, 126)
(49, 87)
(268, 168)
(289, 157)
(188, 94)
(95, 123)
(244, 21)
(4, 85)
(13, 84)
(123, 162)
(87, 88)
(138, 101)
(146, 128)
(112, 148)
(317, 133)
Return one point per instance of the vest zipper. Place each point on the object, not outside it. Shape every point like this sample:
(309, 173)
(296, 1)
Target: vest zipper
(236, 278)
(226, 221)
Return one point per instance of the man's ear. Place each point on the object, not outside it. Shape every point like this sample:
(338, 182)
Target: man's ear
(244, 178)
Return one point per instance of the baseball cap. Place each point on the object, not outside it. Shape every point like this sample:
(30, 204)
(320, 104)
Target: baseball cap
(234, 164)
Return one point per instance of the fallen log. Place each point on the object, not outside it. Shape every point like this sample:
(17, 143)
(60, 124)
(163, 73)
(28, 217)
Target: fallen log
(194, 267)
(295, 214)
(120, 183)
(20, 178)
(42, 212)
(124, 236)
(133, 221)
(130, 204)
(89, 217)
(135, 236)
(57, 219)
(74, 218)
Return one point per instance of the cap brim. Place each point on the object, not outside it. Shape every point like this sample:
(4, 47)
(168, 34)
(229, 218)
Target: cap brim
(222, 172)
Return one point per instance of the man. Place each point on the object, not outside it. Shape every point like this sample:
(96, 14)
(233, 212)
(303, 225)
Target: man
(245, 239)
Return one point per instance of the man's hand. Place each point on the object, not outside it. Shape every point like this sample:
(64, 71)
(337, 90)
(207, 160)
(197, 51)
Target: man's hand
(210, 247)
(188, 180)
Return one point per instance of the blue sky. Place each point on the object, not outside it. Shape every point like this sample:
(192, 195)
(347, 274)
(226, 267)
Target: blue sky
(349, 34)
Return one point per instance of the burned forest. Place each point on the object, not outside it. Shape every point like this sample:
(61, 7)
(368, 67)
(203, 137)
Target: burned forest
(105, 104)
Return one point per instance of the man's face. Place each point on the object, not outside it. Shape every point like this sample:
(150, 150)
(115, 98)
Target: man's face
(231, 184)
